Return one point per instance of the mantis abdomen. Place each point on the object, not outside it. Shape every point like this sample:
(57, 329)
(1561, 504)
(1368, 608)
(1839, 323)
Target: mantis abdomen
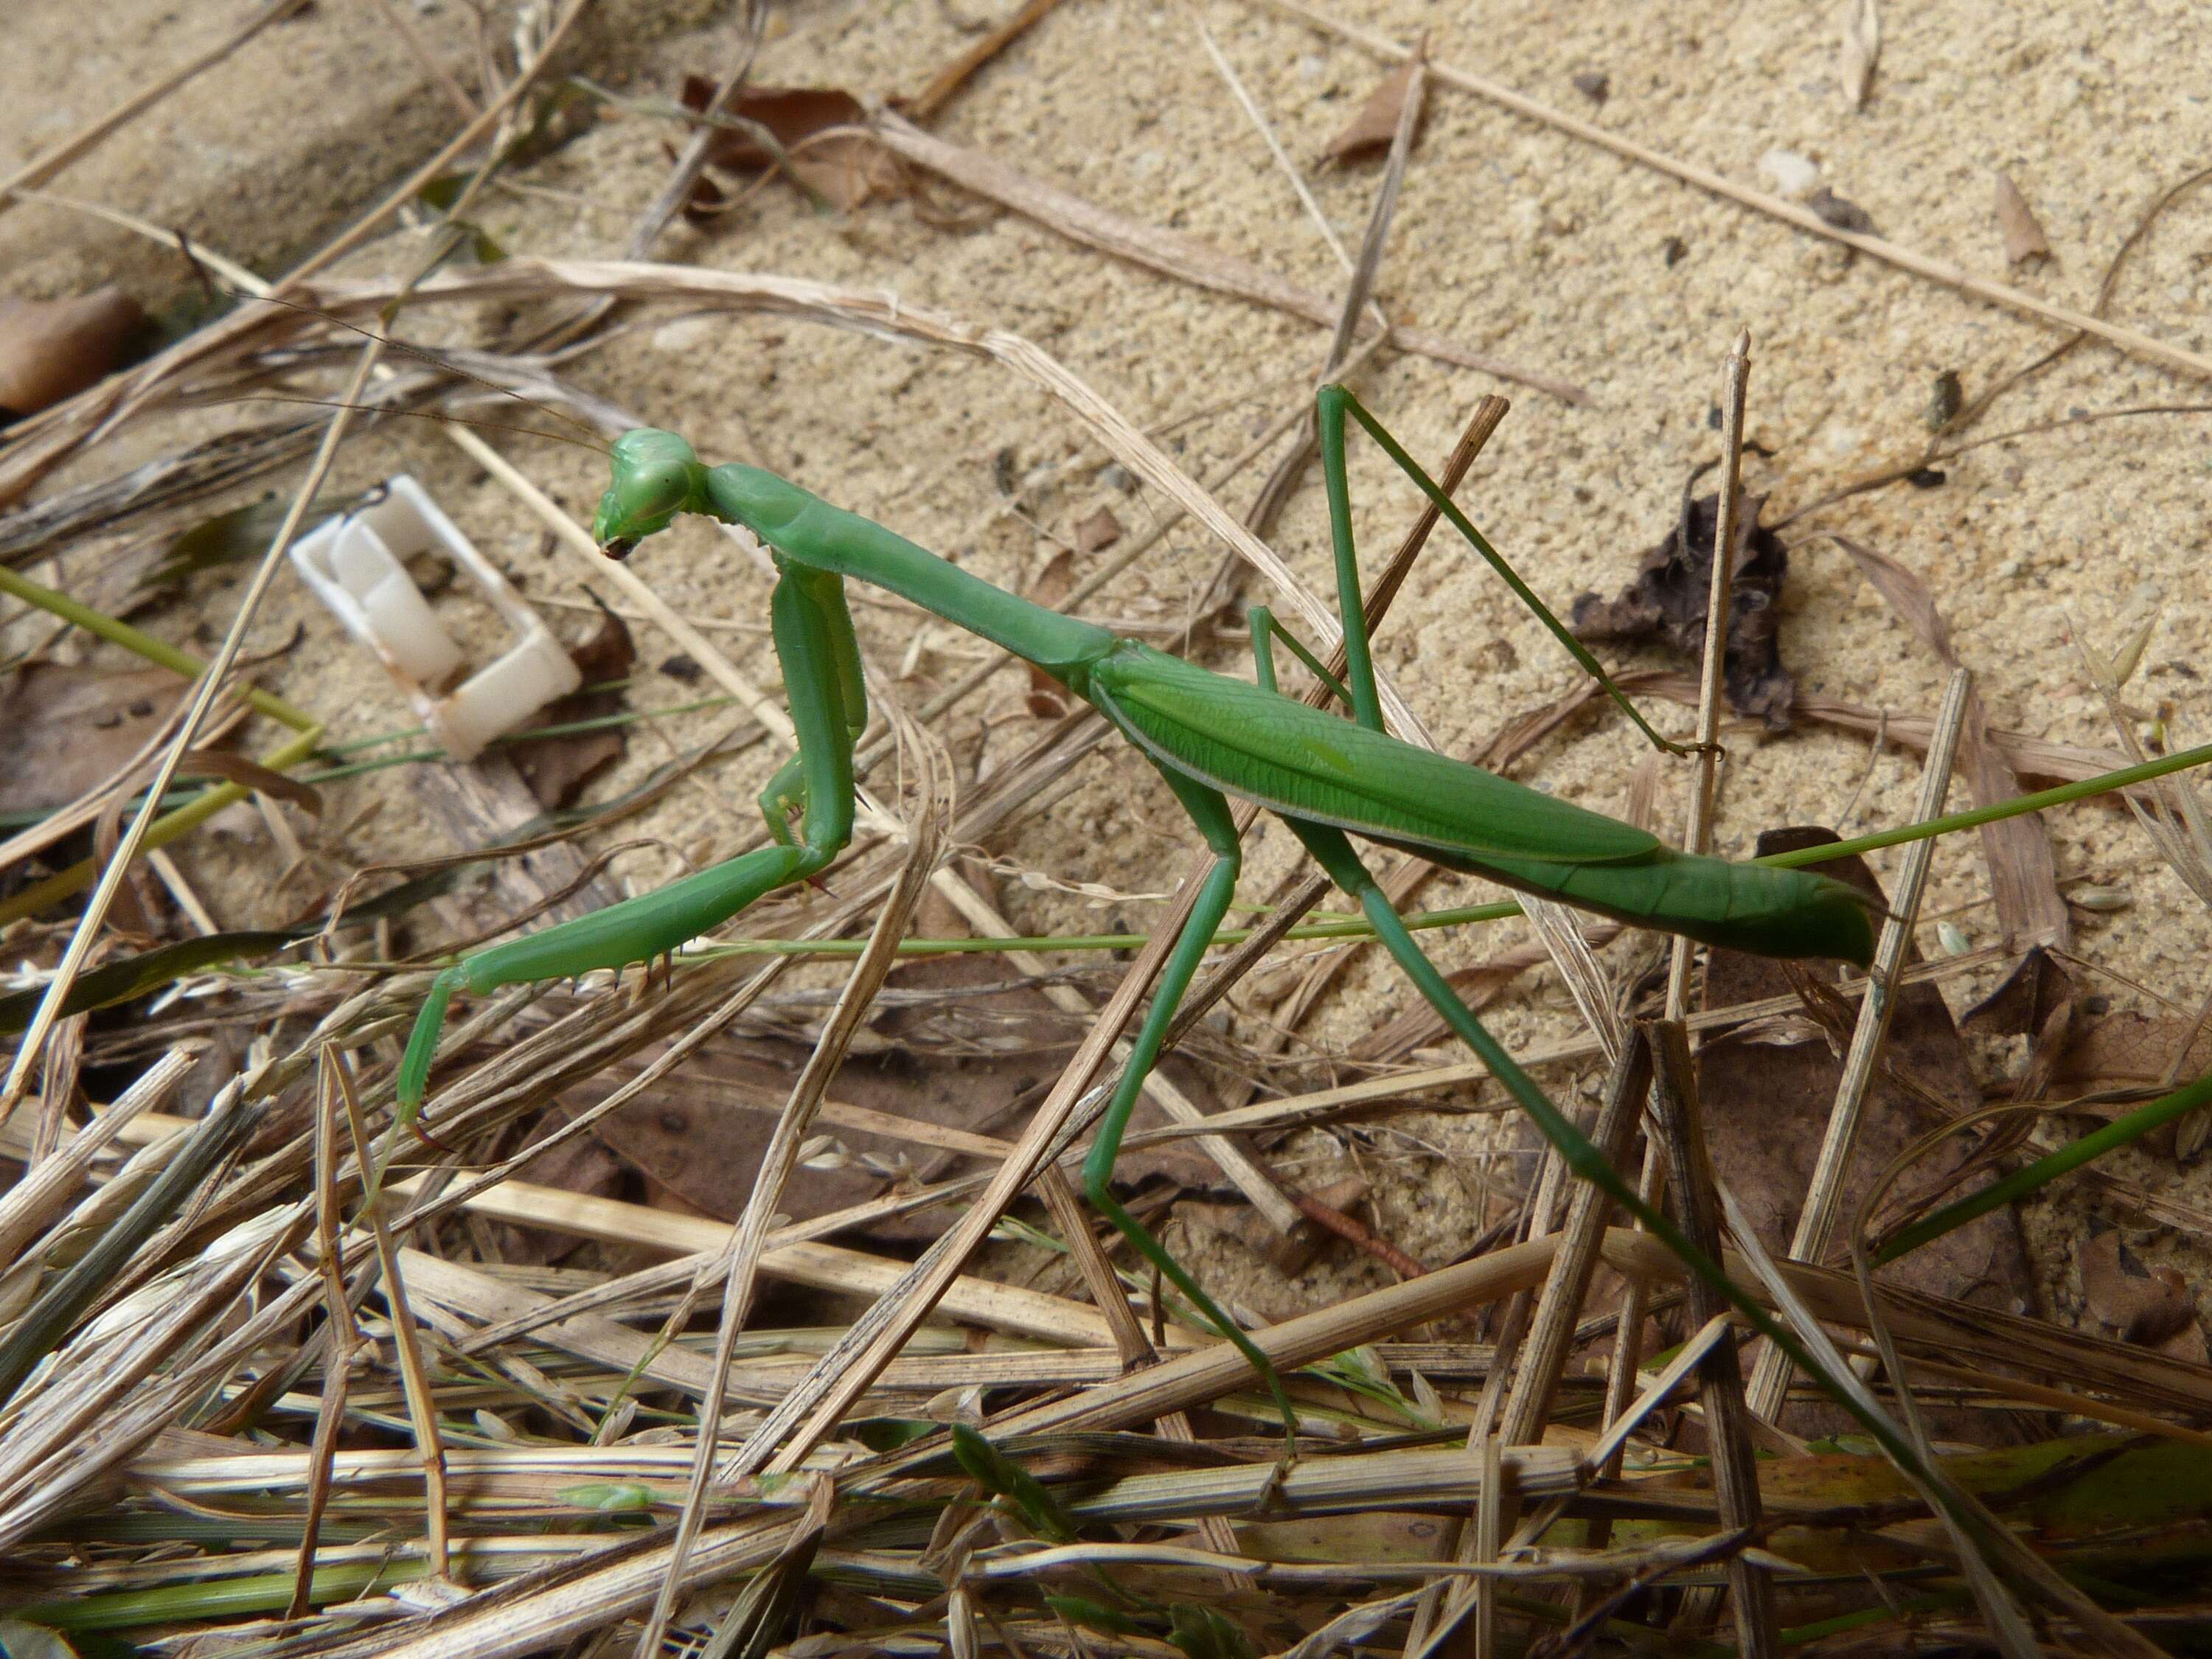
(1247, 741)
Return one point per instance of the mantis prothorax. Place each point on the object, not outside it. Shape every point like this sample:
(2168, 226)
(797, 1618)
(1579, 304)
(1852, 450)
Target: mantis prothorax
(1211, 738)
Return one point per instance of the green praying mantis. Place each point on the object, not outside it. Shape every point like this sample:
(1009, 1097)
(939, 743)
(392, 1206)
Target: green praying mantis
(1211, 736)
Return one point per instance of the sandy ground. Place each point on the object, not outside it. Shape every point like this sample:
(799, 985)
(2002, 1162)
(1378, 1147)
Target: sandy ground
(1511, 238)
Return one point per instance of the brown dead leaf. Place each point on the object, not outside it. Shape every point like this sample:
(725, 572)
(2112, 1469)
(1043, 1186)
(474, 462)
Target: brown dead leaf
(800, 128)
(2024, 240)
(1667, 601)
(51, 349)
(2147, 1305)
(1861, 45)
(583, 1166)
(69, 729)
(1767, 1108)
(2038, 999)
(1097, 532)
(2023, 869)
(1371, 131)
(2134, 1051)
(557, 769)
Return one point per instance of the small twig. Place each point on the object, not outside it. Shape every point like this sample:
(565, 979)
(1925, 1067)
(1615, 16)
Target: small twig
(1727, 1429)
(1816, 1221)
(1350, 1230)
(406, 1341)
(948, 80)
(341, 1340)
(1698, 836)
(1620, 1379)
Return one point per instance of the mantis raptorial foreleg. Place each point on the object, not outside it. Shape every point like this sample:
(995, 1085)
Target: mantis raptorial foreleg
(813, 635)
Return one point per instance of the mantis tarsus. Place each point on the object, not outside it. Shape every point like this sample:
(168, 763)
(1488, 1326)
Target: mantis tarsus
(1210, 737)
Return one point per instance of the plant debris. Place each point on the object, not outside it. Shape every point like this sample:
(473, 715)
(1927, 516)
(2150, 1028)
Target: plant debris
(1668, 599)
(2139, 1303)
(1372, 129)
(1841, 212)
(1769, 1089)
(51, 349)
(1098, 533)
(814, 134)
(2024, 241)
(1861, 48)
(72, 729)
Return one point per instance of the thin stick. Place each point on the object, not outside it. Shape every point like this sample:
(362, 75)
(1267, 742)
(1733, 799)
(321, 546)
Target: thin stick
(1735, 379)
(1620, 1379)
(341, 1340)
(1559, 1306)
(1359, 288)
(2128, 340)
(407, 1341)
(1816, 1222)
(1736, 1474)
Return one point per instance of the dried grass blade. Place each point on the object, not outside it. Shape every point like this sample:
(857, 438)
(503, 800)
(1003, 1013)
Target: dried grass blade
(1971, 1528)
(28, 1206)
(2023, 869)
(1728, 1428)
(740, 1262)
(1173, 252)
(1816, 1222)
(1202, 1374)
(407, 1342)
(342, 1339)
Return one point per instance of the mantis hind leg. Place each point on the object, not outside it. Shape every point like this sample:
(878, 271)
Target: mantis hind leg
(1209, 811)
(1331, 405)
(1335, 854)
(1266, 630)
(812, 647)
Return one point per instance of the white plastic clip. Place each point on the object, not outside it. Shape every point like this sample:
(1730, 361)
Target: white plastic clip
(356, 564)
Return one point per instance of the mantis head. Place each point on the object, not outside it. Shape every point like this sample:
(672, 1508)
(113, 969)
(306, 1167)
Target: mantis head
(656, 476)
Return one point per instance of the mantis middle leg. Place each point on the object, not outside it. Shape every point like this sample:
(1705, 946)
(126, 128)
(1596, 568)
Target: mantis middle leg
(1209, 811)
(813, 634)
